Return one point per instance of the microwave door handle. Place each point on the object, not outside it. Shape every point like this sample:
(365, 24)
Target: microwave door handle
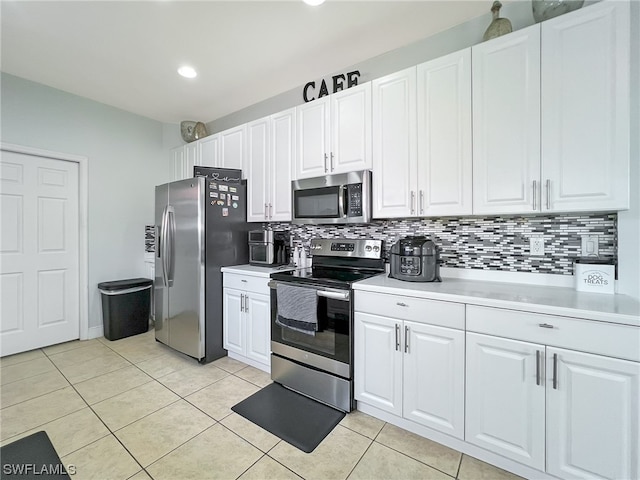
(341, 201)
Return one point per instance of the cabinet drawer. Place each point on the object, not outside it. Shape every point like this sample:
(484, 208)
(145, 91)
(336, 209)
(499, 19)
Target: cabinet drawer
(433, 312)
(246, 282)
(620, 341)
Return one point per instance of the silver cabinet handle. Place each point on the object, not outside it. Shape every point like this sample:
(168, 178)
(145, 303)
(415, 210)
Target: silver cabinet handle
(246, 303)
(332, 161)
(421, 201)
(401, 304)
(537, 367)
(545, 325)
(406, 339)
(397, 337)
(548, 185)
(413, 202)
(555, 371)
(242, 302)
(266, 211)
(325, 164)
(535, 194)
(270, 211)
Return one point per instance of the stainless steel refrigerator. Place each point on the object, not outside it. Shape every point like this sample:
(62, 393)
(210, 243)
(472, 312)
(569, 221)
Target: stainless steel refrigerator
(200, 227)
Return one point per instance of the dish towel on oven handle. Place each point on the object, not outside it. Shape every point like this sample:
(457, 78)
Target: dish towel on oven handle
(297, 308)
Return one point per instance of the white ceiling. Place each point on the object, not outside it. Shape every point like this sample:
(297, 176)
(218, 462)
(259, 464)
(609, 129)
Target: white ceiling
(126, 54)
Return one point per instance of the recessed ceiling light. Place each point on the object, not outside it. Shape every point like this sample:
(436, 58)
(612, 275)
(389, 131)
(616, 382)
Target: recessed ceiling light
(187, 72)
(313, 3)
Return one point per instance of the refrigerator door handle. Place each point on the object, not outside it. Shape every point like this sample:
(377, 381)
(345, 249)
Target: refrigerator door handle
(170, 247)
(163, 247)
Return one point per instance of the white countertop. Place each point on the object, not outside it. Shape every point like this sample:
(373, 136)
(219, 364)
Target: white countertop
(539, 299)
(255, 271)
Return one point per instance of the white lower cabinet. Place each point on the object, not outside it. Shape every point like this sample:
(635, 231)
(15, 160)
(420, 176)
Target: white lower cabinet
(592, 416)
(569, 413)
(505, 398)
(411, 369)
(247, 320)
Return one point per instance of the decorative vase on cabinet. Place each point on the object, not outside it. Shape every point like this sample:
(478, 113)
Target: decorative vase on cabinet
(546, 9)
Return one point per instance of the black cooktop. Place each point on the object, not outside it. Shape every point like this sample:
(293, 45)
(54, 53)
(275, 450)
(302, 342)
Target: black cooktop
(341, 278)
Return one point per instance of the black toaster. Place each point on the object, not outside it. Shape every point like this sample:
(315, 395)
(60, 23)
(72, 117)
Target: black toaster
(415, 259)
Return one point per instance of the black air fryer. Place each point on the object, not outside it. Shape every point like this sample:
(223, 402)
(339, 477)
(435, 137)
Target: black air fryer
(415, 259)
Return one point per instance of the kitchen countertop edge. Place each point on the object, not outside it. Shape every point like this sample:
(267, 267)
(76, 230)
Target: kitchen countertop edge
(560, 301)
(256, 271)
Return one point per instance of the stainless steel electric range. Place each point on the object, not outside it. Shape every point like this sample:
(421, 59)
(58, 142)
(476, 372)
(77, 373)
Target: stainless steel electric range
(312, 319)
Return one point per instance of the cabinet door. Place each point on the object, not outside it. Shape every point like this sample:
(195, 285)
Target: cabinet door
(505, 398)
(378, 362)
(313, 139)
(178, 163)
(585, 109)
(258, 318)
(209, 151)
(444, 135)
(592, 416)
(233, 148)
(258, 166)
(394, 145)
(506, 123)
(192, 158)
(351, 130)
(434, 377)
(233, 321)
(283, 147)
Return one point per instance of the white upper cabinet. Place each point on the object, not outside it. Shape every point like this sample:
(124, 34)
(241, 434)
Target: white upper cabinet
(395, 158)
(233, 148)
(334, 133)
(351, 130)
(271, 146)
(551, 115)
(209, 154)
(258, 164)
(283, 148)
(444, 135)
(178, 165)
(585, 109)
(506, 123)
(313, 139)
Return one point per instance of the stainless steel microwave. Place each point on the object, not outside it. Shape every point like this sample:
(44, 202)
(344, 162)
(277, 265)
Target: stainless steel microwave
(339, 198)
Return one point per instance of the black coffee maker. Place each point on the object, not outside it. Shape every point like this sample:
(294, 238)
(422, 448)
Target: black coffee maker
(415, 259)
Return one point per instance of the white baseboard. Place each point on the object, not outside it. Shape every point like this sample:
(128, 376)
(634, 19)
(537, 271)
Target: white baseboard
(248, 361)
(94, 332)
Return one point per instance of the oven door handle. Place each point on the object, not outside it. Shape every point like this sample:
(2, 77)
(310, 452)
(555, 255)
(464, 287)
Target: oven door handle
(335, 295)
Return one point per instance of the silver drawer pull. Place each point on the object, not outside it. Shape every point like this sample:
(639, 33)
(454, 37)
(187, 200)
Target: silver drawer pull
(401, 304)
(545, 325)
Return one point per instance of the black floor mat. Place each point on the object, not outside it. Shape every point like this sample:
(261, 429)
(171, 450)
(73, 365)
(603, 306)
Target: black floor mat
(32, 458)
(294, 418)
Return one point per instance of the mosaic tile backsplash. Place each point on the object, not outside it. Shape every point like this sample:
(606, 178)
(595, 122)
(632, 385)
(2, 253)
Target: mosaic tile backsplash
(486, 243)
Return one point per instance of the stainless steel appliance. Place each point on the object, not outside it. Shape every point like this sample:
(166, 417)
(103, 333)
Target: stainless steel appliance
(268, 247)
(415, 259)
(312, 319)
(340, 198)
(200, 227)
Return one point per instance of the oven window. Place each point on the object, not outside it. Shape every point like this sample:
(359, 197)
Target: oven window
(258, 252)
(332, 337)
(316, 202)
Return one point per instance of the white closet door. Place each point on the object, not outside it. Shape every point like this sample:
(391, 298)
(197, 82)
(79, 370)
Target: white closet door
(39, 252)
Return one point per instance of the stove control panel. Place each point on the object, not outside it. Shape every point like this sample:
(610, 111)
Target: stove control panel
(341, 247)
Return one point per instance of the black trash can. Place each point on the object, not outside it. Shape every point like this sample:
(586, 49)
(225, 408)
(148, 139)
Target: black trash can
(125, 307)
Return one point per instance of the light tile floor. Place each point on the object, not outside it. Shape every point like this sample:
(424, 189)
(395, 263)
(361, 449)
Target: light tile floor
(136, 409)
